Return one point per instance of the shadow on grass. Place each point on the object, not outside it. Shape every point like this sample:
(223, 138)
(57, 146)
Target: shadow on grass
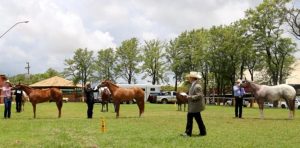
(268, 118)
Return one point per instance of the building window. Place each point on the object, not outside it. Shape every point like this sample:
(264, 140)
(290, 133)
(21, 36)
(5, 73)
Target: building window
(152, 89)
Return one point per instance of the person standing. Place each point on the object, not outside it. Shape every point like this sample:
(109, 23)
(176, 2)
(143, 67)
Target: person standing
(19, 95)
(239, 92)
(7, 94)
(89, 99)
(196, 104)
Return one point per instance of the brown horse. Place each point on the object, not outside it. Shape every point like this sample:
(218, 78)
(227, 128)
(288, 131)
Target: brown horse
(39, 96)
(181, 99)
(125, 94)
(2, 80)
(105, 97)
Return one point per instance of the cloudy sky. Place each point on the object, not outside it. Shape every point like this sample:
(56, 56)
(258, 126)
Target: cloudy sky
(57, 27)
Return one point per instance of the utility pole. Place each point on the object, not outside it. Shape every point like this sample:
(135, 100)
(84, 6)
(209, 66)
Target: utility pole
(27, 76)
(28, 67)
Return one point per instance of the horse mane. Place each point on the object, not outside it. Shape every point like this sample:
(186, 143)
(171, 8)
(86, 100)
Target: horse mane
(110, 82)
(27, 89)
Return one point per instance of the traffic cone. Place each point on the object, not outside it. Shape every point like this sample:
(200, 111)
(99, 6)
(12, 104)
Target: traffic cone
(103, 125)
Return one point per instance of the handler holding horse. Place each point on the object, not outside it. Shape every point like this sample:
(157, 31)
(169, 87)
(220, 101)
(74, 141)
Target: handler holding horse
(38, 96)
(89, 99)
(239, 92)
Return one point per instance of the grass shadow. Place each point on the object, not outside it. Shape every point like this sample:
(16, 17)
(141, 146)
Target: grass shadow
(274, 119)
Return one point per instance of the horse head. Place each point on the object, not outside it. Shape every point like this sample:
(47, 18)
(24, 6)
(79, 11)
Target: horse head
(245, 82)
(25, 88)
(104, 83)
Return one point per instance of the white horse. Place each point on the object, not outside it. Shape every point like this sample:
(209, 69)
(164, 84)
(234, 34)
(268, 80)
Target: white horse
(273, 93)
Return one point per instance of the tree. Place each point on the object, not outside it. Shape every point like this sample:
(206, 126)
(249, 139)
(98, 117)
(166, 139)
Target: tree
(153, 64)
(266, 23)
(127, 60)
(105, 65)
(293, 20)
(81, 67)
(34, 77)
(174, 55)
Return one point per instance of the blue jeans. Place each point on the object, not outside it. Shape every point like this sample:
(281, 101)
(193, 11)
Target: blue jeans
(7, 108)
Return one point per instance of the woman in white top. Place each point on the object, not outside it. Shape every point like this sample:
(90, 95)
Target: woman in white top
(7, 94)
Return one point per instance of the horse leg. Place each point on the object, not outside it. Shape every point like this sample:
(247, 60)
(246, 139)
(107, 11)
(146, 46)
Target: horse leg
(59, 106)
(183, 106)
(117, 109)
(106, 106)
(34, 108)
(102, 107)
(261, 108)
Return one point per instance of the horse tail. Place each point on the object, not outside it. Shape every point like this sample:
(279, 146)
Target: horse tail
(140, 95)
(293, 106)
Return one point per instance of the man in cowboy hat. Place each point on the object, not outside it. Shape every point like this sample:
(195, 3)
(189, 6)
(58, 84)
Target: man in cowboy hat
(7, 94)
(196, 104)
(238, 95)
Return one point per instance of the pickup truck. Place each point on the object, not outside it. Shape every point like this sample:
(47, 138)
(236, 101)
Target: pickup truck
(166, 97)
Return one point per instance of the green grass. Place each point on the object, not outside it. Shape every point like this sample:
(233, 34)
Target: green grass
(159, 127)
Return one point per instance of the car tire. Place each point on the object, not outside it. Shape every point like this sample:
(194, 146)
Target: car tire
(164, 101)
(283, 106)
(299, 107)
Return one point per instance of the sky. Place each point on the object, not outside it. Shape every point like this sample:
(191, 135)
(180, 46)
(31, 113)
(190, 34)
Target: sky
(56, 28)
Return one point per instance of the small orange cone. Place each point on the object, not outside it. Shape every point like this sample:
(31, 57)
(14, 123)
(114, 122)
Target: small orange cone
(103, 125)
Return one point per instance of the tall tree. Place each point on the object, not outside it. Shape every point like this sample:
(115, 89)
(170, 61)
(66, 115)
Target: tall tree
(174, 55)
(127, 60)
(105, 65)
(153, 64)
(267, 22)
(81, 67)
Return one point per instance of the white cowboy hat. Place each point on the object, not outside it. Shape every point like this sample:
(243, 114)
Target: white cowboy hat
(7, 81)
(193, 74)
(238, 81)
(87, 83)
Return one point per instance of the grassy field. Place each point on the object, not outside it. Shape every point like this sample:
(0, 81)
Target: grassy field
(159, 127)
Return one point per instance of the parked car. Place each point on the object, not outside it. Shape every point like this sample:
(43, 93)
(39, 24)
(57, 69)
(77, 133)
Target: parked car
(297, 103)
(65, 99)
(268, 104)
(166, 97)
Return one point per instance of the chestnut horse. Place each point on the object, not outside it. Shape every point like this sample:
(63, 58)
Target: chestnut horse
(181, 98)
(39, 96)
(120, 94)
(273, 93)
(105, 97)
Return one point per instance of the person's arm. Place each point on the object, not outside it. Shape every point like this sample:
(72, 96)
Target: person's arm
(244, 92)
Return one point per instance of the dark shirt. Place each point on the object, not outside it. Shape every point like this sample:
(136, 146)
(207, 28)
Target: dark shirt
(89, 95)
(18, 93)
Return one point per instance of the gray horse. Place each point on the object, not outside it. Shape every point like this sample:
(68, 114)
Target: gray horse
(273, 93)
